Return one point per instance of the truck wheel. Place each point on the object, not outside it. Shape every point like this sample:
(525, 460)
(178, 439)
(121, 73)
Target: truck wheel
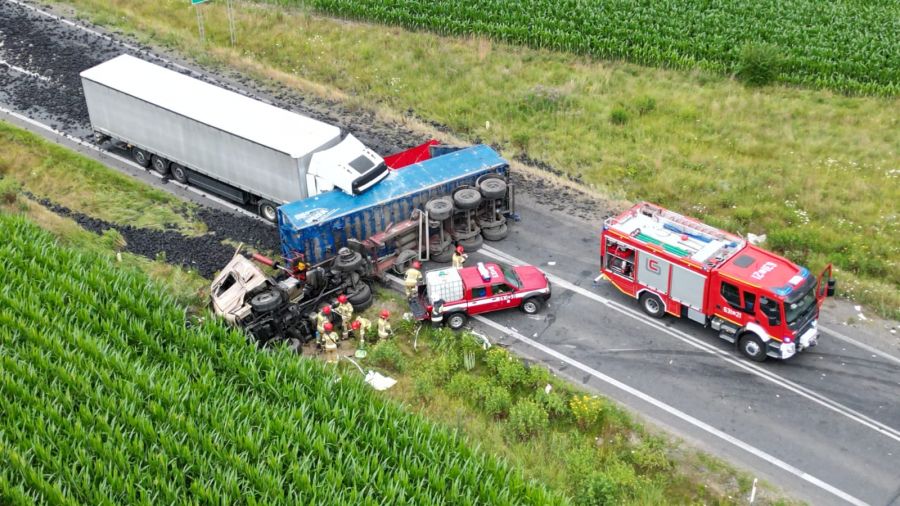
(492, 222)
(531, 305)
(268, 210)
(362, 295)
(349, 262)
(444, 256)
(457, 321)
(472, 243)
(752, 347)
(140, 156)
(179, 173)
(466, 198)
(493, 188)
(362, 306)
(439, 209)
(266, 301)
(160, 165)
(496, 233)
(652, 305)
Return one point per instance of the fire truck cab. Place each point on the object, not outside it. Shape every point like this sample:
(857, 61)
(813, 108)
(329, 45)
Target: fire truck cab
(452, 295)
(763, 303)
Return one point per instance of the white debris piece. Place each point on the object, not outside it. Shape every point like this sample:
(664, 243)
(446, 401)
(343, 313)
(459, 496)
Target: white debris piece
(756, 239)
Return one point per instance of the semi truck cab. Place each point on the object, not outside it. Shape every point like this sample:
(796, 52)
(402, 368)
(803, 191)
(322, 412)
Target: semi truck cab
(348, 165)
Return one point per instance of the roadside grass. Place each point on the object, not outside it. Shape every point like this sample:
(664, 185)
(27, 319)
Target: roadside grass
(593, 452)
(815, 171)
(84, 185)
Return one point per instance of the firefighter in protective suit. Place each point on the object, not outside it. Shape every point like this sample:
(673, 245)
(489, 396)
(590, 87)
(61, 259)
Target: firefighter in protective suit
(322, 317)
(459, 258)
(384, 326)
(345, 309)
(330, 339)
(362, 326)
(413, 277)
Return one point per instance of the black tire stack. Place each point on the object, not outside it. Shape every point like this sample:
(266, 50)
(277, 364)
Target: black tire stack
(490, 219)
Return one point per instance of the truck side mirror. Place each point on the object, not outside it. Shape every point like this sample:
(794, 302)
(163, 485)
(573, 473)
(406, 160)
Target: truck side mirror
(831, 286)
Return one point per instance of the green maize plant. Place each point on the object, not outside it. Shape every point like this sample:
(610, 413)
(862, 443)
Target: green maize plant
(109, 398)
(845, 45)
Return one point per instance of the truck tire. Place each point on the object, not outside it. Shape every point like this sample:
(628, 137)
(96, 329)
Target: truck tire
(496, 233)
(179, 173)
(473, 243)
(466, 198)
(752, 347)
(491, 223)
(456, 321)
(266, 301)
(268, 210)
(531, 305)
(492, 188)
(140, 156)
(359, 294)
(444, 256)
(652, 305)
(439, 209)
(160, 165)
(349, 262)
(366, 304)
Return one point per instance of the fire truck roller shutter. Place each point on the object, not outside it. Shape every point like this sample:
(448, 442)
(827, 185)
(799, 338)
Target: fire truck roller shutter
(653, 272)
(688, 288)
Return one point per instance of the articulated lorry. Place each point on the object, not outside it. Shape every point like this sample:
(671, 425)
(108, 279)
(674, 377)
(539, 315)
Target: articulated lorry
(221, 141)
(336, 243)
(763, 303)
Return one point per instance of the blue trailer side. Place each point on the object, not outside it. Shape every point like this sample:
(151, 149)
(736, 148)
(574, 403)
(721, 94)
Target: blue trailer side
(317, 227)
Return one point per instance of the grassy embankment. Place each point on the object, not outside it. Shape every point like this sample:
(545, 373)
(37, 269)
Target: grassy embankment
(815, 171)
(585, 449)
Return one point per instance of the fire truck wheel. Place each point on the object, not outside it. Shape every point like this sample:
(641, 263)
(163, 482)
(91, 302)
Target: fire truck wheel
(439, 209)
(457, 321)
(466, 198)
(160, 165)
(266, 301)
(532, 305)
(140, 156)
(492, 188)
(349, 262)
(472, 243)
(652, 305)
(496, 233)
(443, 256)
(753, 348)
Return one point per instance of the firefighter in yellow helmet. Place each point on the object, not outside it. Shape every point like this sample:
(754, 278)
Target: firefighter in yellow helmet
(345, 310)
(330, 340)
(384, 326)
(413, 277)
(459, 257)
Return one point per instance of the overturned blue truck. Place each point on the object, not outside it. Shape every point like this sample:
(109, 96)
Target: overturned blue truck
(434, 198)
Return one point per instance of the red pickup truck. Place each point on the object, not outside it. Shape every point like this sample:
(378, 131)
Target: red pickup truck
(452, 295)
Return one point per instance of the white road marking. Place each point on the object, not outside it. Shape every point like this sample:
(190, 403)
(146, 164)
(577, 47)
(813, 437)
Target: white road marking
(23, 71)
(771, 459)
(699, 344)
(854, 342)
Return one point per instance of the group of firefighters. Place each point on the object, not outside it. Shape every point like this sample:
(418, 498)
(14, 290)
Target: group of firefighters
(359, 327)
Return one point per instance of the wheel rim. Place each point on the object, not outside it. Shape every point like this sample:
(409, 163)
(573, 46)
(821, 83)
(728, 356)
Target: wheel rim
(456, 321)
(751, 347)
(265, 298)
(178, 172)
(652, 305)
(140, 156)
(269, 212)
(530, 307)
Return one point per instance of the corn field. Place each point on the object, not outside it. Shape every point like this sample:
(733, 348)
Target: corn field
(846, 45)
(108, 397)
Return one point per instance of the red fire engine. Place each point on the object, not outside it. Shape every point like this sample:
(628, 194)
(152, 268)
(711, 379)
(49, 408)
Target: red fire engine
(761, 302)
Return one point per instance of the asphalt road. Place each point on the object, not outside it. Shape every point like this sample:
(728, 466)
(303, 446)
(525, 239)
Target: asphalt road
(825, 426)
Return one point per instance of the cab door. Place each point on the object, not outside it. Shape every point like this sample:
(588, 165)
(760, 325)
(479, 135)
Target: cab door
(824, 285)
(479, 299)
(504, 295)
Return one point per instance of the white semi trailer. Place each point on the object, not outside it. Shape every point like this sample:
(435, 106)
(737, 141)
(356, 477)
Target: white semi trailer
(224, 142)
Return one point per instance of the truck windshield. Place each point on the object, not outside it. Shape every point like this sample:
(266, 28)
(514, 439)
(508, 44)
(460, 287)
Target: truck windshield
(798, 310)
(511, 276)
